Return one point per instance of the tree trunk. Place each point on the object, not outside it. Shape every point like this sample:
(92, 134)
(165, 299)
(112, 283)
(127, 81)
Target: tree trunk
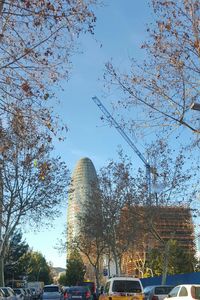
(2, 271)
(1, 6)
(109, 267)
(97, 281)
(116, 264)
(120, 265)
(1, 242)
(165, 263)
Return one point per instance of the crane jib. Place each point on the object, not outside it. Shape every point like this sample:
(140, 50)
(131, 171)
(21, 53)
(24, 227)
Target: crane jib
(128, 140)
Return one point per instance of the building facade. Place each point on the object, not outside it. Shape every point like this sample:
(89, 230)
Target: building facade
(170, 223)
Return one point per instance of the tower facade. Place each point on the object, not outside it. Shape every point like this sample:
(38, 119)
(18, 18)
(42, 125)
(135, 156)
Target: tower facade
(83, 178)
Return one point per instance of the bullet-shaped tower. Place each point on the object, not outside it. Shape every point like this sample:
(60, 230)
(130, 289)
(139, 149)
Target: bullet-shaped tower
(83, 179)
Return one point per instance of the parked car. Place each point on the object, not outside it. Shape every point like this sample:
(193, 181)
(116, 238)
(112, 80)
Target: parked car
(122, 288)
(20, 294)
(2, 295)
(157, 292)
(92, 287)
(29, 293)
(9, 293)
(34, 293)
(26, 294)
(65, 292)
(184, 291)
(78, 293)
(52, 292)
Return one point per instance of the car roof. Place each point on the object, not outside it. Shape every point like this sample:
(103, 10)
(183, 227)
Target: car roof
(159, 285)
(188, 285)
(48, 285)
(78, 287)
(124, 278)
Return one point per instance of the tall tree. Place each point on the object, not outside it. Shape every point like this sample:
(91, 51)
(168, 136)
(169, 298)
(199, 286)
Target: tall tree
(33, 182)
(117, 186)
(162, 89)
(62, 280)
(75, 269)
(90, 240)
(15, 250)
(34, 267)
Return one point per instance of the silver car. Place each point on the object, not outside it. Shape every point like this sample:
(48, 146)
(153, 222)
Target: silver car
(52, 292)
(9, 293)
(20, 294)
(2, 295)
(157, 292)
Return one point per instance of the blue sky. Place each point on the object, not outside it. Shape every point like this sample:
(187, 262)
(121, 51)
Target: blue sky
(120, 30)
(119, 33)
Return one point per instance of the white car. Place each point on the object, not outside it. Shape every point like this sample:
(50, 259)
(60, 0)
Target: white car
(184, 292)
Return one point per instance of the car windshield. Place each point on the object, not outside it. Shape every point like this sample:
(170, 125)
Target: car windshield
(91, 285)
(6, 292)
(17, 291)
(147, 289)
(51, 289)
(163, 290)
(126, 286)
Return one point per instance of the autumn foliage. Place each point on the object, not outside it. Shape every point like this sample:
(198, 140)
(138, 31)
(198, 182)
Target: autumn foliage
(37, 39)
(162, 88)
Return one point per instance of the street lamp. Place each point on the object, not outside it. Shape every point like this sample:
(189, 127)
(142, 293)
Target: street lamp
(195, 106)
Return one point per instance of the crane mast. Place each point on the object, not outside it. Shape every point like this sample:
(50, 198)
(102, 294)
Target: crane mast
(128, 140)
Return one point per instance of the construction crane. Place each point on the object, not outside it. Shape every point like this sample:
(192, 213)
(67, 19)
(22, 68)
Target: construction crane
(128, 140)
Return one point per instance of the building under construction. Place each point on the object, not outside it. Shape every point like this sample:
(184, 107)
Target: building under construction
(163, 224)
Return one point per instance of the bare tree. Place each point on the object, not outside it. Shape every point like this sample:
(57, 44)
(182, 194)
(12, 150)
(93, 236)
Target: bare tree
(118, 189)
(161, 90)
(33, 183)
(90, 240)
(37, 40)
(174, 177)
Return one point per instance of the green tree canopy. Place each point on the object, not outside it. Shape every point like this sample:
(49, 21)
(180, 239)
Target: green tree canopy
(34, 267)
(62, 280)
(75, 269)
(15, 250)
(179, 261)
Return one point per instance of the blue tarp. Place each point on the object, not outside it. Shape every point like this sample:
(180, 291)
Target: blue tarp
(173, 279)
